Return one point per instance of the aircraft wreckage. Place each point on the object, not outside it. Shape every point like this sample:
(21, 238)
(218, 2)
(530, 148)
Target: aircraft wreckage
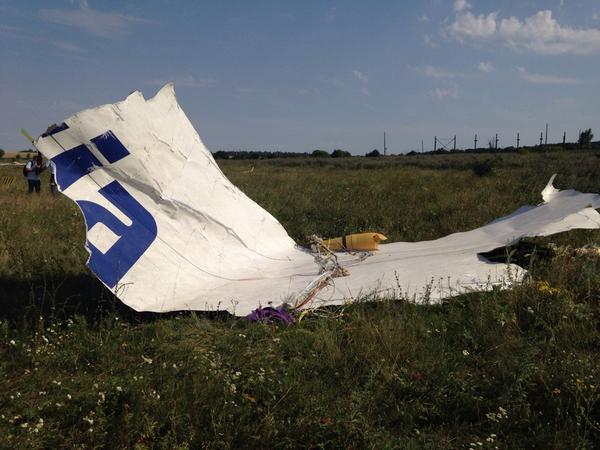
(166, 230)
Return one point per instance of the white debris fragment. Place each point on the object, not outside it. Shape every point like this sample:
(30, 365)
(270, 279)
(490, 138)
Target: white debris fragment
(168, 231)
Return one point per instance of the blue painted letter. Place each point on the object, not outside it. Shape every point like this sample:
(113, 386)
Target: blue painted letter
(133, 239)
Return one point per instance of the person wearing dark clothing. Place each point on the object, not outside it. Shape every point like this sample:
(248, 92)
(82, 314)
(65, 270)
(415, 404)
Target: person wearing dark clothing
(33, 170)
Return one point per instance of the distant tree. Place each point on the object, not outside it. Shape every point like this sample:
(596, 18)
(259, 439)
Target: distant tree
(1, 153)
(220, 154)
(373, 154)
(585, 138)
(319, 154)
(339, 153)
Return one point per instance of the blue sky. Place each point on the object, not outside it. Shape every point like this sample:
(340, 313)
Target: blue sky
(296, 76)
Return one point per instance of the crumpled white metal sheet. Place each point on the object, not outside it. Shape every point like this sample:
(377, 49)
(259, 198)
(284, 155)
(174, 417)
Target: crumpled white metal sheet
(166, 230)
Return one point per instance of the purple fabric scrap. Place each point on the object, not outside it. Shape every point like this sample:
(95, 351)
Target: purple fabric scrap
(268, 314)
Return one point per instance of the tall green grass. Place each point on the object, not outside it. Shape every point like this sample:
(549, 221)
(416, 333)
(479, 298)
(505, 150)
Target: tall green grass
(504, 369)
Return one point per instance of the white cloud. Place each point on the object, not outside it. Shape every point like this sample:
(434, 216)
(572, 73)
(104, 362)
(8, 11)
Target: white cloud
(596, 16)
(485, 67)
(423, 19)
(539, 33)
(105, 24)
(185, 81)
(438, 72)
(539, 78)
(469, 25)
(444, 93)
(360, 76)
(461, 5)
(427, 39)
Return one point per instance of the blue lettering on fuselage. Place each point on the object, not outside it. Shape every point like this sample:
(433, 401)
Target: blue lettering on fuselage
(134, 239)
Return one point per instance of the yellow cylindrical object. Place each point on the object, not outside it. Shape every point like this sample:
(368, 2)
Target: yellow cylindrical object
(360, 241)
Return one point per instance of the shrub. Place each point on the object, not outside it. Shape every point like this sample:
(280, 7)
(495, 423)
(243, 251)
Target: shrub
(337, 153)
(585, 138)
(319, 154)
(483, 168)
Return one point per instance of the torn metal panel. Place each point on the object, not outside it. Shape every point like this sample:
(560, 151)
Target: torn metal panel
(166, 230)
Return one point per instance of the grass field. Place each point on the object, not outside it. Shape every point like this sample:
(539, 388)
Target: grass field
(513, 369)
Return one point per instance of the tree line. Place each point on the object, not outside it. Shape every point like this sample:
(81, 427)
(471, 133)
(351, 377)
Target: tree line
(318, 153)
(584, 142)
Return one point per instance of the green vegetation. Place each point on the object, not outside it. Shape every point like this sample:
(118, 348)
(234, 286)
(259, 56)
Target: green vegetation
(483, 168)
(512, 369)
(339, 153)
(585, 138)
(320, 154)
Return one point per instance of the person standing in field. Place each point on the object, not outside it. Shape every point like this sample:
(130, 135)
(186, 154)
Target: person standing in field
(33, 170)
(52, 167)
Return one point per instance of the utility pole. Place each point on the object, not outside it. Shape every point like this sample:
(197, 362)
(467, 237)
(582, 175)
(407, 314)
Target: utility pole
(518, 140)
(496, 141)
(475, 147)
(434, 143)
(546, 141)
(384, 146)
(541, 137)
(422, 147)
(564, 138)
(454, 146)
